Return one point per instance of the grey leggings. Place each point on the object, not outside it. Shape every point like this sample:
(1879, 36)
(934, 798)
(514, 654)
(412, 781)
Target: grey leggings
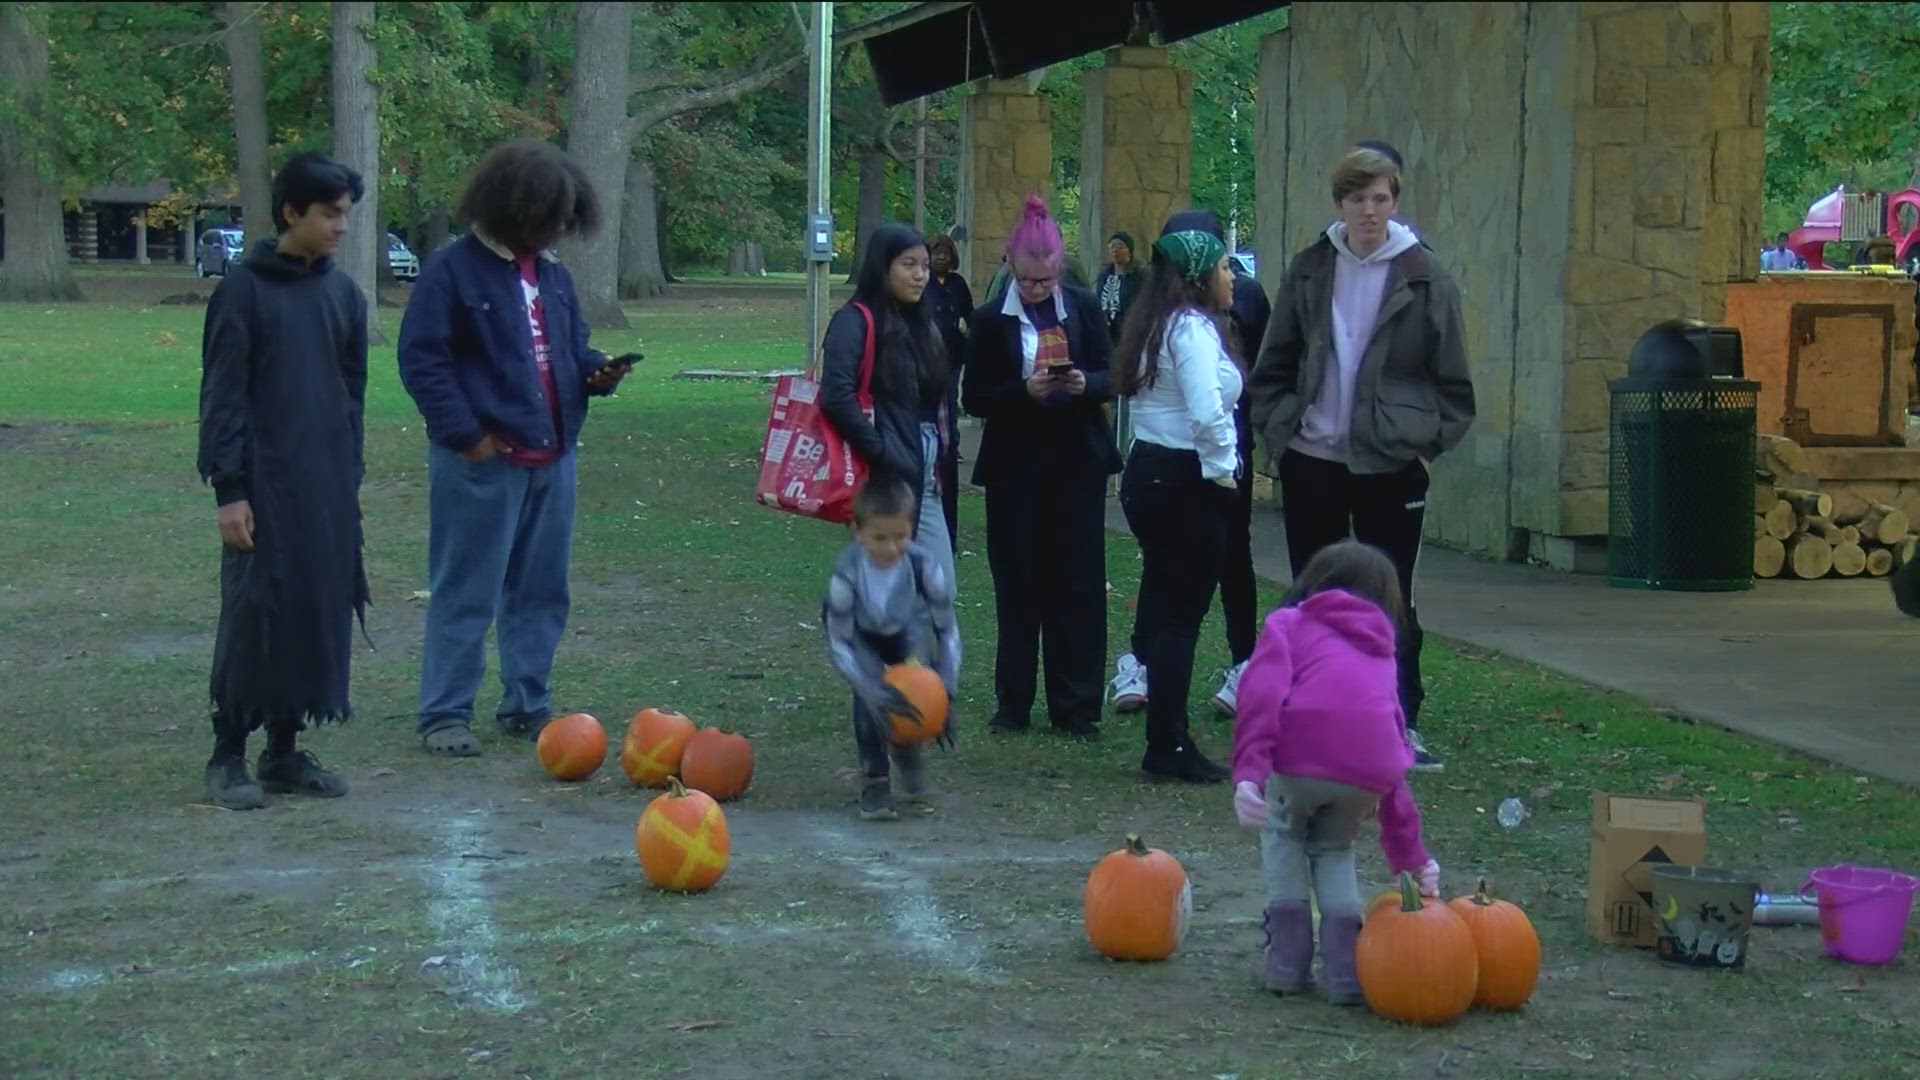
(1307, 841)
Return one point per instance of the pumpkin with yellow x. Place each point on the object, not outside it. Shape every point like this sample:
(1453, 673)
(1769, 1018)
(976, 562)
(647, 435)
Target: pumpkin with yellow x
(682, 840)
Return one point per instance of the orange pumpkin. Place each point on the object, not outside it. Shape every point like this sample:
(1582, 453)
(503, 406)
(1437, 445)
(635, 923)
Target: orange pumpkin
(682, 840)
(718, 763)
(1508, 949)
(1417, 964)
(571, 747)
(1138, 901)
(922, 686)
(655, 740)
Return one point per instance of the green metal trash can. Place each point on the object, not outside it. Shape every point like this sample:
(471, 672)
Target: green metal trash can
(1680, 483)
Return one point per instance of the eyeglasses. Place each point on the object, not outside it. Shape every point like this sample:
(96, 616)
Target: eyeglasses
(1036, 282)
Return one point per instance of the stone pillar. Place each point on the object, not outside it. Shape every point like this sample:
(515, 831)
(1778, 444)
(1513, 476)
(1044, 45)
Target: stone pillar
(1669, 133)
(140, 238)
(1010, 142)
(1136, 149)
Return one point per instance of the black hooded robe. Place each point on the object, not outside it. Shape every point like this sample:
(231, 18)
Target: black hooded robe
(282, 401)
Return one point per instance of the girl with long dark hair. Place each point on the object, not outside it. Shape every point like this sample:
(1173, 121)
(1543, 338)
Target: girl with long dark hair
(1177, 365)
(912, 435)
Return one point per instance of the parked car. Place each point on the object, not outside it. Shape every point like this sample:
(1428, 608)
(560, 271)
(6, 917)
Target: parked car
(219, 248)
(401, 259)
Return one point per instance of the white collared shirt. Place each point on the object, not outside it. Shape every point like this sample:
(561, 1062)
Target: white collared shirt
(1195, 388)
(1030, 334)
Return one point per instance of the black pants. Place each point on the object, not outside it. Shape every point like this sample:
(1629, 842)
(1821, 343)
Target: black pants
(1046, 546)
(875, 749)
(1323, 502)
(1181, 522)
(1239, 591)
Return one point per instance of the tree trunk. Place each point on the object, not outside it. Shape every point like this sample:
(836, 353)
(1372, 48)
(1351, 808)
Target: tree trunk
(642, 277)
(873, 193)
(597, 136)
(439, 224)
(356, 144)
(35, 267)
(248, 75)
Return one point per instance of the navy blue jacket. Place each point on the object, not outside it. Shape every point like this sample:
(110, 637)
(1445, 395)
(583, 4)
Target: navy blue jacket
(466, 350)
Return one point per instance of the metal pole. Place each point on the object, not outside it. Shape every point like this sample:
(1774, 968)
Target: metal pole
(819, 149)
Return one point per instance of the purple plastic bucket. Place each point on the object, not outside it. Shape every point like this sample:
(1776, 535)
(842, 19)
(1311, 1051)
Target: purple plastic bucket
(1863, 911)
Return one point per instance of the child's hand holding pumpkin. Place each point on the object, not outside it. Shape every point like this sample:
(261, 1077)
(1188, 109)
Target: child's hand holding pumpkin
(1429, 878)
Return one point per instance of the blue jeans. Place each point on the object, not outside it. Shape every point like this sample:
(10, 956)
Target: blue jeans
(931, 527)
(499, 539)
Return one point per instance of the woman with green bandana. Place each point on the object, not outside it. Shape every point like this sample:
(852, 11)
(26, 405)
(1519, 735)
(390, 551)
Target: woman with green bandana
(1176, 363)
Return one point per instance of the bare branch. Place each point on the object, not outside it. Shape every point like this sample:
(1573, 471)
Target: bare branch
(730, 88)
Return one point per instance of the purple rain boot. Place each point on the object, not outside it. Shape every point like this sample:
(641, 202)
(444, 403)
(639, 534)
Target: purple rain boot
(1289, 947)
(1338, 934)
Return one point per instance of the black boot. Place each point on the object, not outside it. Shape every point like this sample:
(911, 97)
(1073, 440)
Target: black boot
(876, 800)
(228, 784)
(1182, 761)
(285, 769)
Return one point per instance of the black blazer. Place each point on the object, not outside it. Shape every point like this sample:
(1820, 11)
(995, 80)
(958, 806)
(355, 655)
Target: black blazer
(1020, 433)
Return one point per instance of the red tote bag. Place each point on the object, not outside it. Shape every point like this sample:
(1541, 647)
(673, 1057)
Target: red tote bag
(806, 467)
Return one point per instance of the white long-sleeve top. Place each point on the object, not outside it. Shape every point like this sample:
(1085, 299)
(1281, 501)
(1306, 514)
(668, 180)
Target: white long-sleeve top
(1190, 404)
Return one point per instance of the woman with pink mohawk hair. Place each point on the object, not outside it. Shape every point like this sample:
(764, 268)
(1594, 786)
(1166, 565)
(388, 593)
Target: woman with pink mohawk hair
(1036, 373)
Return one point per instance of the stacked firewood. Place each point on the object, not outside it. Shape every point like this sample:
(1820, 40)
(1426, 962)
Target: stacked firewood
(1799, 531)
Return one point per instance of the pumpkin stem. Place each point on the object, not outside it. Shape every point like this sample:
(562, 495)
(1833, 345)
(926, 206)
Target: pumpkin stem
(679, 790)
(1135, 845)
(1409, 893)
(1483, 896)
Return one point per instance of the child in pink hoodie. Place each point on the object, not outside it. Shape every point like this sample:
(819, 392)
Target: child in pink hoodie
(1320, 741)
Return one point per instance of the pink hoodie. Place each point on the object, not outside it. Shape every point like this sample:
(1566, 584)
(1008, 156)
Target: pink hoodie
(1320, 699)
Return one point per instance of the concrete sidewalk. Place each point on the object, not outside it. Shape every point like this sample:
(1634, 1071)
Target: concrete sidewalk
(1827, 667)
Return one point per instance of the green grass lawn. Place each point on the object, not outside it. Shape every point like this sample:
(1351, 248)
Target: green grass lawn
(471, 918)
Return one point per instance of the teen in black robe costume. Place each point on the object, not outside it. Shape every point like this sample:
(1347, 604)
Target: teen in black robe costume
(282, 397)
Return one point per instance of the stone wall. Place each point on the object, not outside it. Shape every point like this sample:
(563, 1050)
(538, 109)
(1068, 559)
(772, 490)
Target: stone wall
(1589, 170)
(1008, 155)
(1670, 112)
(1136, 149)
(1389, 71)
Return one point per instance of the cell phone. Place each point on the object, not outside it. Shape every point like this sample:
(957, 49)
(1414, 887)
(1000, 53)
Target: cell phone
(1061, 371)
(624, 359)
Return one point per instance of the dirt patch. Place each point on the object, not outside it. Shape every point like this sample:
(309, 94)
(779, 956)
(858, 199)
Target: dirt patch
(26, 434)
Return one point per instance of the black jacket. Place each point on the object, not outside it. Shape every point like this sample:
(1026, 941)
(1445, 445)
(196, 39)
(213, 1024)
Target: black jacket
(1130, 283)
(952, 301)
(1021, 433)
(890, 443)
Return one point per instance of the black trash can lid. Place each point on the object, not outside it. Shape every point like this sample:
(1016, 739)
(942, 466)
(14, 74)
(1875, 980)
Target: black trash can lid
(1686, 349)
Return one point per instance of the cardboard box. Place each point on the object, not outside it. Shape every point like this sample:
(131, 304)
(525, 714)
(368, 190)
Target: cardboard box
(1630, 832)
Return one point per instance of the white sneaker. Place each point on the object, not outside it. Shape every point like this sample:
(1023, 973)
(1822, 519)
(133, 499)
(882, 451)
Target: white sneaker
(1226, 701)
(1422, 760)
(1129, 685)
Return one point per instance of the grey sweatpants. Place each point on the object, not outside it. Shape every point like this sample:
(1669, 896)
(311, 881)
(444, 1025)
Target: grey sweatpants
(1307, 841)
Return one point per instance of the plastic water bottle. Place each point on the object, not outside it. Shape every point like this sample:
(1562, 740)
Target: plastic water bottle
(1511, 813)
(1783, 909)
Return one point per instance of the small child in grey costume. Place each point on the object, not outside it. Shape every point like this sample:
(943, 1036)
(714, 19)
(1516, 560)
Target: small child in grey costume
(889, 599)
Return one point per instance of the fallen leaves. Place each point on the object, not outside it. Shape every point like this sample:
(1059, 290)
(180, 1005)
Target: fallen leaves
(684, 1026)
